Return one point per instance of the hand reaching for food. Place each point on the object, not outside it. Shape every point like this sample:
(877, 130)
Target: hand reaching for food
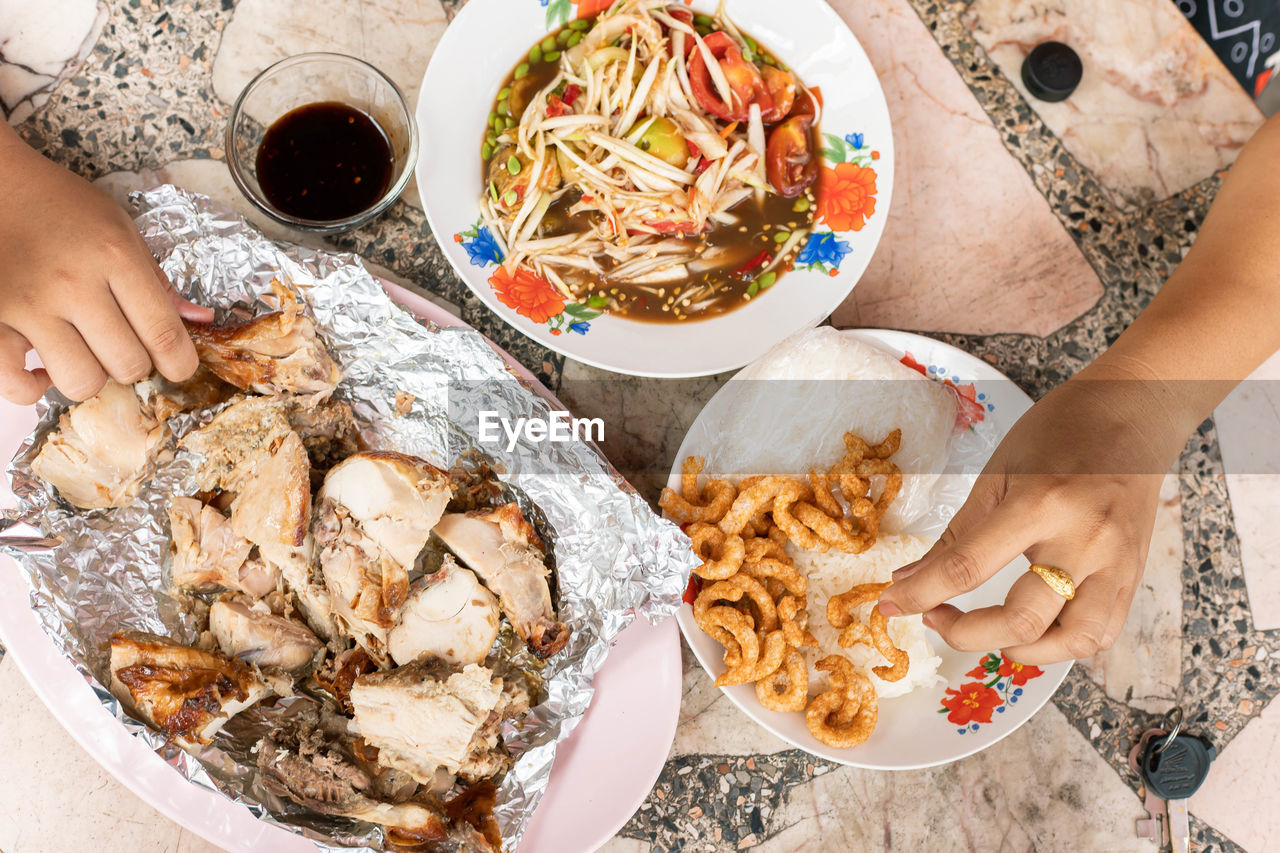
(79, 286)
(1074, 486)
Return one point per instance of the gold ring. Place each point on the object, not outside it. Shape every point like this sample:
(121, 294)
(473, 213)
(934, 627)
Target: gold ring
(1058, 580)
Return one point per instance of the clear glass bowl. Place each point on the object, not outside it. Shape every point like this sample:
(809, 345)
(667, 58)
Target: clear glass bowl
(309, 78)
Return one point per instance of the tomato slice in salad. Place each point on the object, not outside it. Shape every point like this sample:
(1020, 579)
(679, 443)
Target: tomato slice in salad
(746, 86)
(789, 160)
(782, 89)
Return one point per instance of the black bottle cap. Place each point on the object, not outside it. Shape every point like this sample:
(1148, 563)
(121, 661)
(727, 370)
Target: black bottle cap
(1052, 71)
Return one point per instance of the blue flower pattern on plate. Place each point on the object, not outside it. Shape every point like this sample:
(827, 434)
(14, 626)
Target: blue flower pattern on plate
(823, 250)
(482, 249)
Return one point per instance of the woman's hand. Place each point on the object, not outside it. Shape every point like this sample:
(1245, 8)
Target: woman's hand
(1075, 485)
(79, 285)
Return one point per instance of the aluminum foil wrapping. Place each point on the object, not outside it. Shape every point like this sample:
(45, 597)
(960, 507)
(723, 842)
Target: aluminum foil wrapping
(613, 556)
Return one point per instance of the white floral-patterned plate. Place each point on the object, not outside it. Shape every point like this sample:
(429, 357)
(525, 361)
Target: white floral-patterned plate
(985, 696)
(468, 67)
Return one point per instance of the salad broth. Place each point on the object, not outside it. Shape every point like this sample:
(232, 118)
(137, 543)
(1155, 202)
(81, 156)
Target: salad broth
(735, 262)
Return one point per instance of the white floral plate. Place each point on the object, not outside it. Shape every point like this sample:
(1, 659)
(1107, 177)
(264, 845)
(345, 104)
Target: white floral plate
(468, 67)
(985, 696)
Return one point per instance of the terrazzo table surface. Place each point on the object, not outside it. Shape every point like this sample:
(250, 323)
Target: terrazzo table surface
(1027, 233)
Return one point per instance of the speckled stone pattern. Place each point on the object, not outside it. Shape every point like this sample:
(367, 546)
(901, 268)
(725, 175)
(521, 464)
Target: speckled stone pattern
(142, 98)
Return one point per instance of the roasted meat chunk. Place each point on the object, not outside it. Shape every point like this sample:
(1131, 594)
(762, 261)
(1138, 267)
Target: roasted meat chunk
(449, 615)
(250, 632)
(310, 759)
(103, 449)
(373, 515)
(166, 399)
(276, 353)
(208, 554)
(429, 716)
(186, 693)
(396, 499)
(328, 431)
(237, 442)
(505, 551)
(273, 504)
(302, 578)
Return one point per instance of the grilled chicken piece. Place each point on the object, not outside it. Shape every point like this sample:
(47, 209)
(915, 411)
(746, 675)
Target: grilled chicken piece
(276, 353)
(207, 554)
(310, 759)
(273, 504)
(302, 578)
(448, 615)
(237, 442)
(253, 634)
(250, 450)
(103, 449)
(328, 430)
(429, 715)
(373, 515)
(396, 499)
(186, 693)
(503, 548)
(167, 399)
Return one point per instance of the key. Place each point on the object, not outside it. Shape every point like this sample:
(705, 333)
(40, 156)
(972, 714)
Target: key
(1174, 767)
(1155, 825)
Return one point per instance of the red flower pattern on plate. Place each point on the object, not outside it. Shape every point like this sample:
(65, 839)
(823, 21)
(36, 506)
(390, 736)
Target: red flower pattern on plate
(526, 293)
(972, 703)
(1018, 673)
(846, 196)
(969, 409)
(997, 681)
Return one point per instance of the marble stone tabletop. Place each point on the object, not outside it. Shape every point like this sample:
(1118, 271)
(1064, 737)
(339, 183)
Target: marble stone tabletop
(1025, 232)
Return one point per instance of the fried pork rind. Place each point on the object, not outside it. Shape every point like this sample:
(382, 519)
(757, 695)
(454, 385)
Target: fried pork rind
(773, 650)
(707, 504)
(757, 497)
(780, 570)
(793, 617)
(756, 607)
(733, 629)
(840, 608)
(721, 555)
(787, 688)
(846, 714)
(735, 589)
(876, 634)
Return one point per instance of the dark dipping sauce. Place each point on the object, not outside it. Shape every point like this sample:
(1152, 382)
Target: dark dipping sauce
(325, 161)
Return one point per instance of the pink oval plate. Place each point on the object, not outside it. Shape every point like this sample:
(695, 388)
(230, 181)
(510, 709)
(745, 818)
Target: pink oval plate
(624, 737)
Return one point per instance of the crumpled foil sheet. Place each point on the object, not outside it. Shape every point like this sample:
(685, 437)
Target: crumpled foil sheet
(613, 555)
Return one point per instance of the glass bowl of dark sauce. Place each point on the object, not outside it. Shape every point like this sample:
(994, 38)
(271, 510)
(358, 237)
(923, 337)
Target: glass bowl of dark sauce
(321, 142)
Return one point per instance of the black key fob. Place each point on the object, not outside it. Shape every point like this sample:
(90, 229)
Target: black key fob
(1177, 770)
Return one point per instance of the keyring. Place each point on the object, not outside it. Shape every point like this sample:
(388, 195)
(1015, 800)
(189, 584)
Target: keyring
(1171, 718)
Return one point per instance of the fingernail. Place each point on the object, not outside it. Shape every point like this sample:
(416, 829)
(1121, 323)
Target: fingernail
(888, 608)
(928, 623)
(906, 571)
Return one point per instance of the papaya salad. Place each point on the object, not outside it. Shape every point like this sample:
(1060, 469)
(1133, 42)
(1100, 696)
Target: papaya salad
(652, 162)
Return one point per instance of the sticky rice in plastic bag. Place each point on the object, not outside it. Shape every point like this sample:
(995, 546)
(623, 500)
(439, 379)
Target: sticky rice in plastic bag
(835, 383)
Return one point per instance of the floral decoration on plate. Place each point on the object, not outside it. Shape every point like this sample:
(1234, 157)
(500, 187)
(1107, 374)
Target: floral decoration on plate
(999, 683)
(559, 12)
(523, 291)
(971, 406)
